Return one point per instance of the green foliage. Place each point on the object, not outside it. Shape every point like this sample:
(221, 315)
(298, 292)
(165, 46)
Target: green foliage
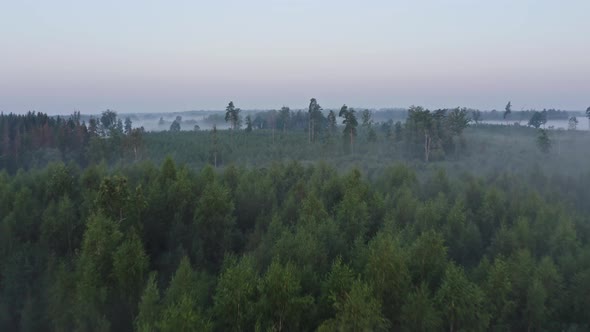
(149, 307)
(61, 299)
(130, 264)
(181, 308)
(331, 121)
(101, 239)
(235, 295)
(387, 271)
(419, 312)
(377, 240)
(357, 310)
(462, 302)
(419, 131)
(61, 226)
(580, 296)
(538, 119)
(428, 259)
(282, 303)
(497, 288)
(316, 119)
(338, 282)
(182, 316)
(113, 197)
(108, 122)
(214, 223)
(232, 115)
(535, 305)
(183, 283)
(93, 273)
(353, 215)
(458, 119)
(350, 124)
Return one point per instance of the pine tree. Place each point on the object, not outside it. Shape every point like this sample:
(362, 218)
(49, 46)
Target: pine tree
(149, 308)
(350, 124)
(507, 111)
(232, 115)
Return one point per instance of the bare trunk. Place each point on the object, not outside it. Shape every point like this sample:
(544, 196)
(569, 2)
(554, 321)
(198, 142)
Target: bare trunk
(135, 152)
(426, 146)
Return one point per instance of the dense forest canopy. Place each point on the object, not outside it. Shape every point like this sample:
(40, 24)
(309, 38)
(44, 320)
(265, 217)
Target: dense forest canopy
(295, 220)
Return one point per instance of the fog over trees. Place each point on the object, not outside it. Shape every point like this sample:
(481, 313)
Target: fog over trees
(293, 166)
(295, 220)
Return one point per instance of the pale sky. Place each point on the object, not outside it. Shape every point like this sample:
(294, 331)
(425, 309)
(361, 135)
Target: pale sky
(157, 56)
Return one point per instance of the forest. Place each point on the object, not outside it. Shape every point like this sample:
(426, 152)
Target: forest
(295, 220)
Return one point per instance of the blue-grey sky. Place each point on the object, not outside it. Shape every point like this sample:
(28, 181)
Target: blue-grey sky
(146, 56)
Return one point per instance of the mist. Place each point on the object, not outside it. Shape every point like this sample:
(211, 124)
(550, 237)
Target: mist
(295, 165)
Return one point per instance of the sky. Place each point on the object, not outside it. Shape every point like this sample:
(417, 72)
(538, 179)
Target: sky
(162, 56)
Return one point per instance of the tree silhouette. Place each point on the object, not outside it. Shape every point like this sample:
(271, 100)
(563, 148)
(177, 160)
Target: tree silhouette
(315, 115)
(232, 115)
(507, 110)
(350, 124)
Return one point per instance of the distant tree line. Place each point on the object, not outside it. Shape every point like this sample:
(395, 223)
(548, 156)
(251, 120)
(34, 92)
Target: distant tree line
(34, 139)
(524, 115)
(423, 132)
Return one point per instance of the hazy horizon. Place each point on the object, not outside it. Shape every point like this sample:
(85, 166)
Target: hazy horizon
(147, 56)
